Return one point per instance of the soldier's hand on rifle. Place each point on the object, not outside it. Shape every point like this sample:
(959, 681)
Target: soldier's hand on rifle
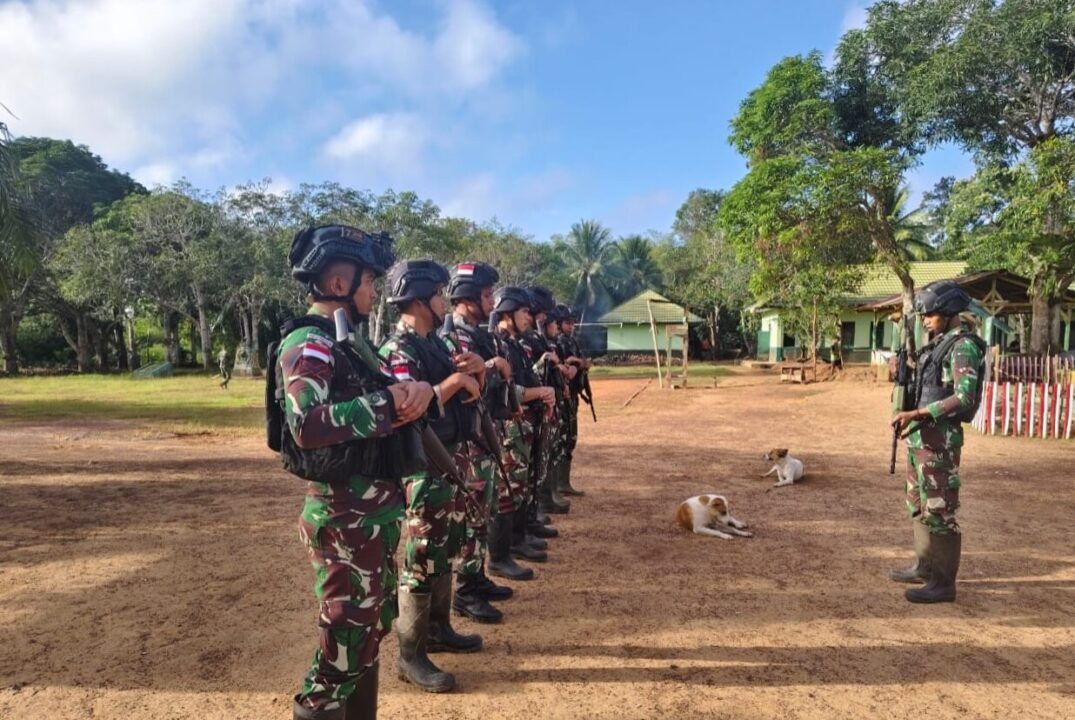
(501, 365)
(905, 418)
(457, 382)
(569, 371)
(469, 363)
(552, 356)
(411, 400)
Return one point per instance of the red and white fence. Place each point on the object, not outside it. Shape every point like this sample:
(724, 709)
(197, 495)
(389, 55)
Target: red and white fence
(1029, 397)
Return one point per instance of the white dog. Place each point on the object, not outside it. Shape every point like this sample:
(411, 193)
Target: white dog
(708, 515)
(787, 468)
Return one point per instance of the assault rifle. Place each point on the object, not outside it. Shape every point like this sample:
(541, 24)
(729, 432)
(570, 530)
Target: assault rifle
(586, 392)
(903, 392)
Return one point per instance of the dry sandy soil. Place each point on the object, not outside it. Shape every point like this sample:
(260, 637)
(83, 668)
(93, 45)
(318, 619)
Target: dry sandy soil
(152, 576)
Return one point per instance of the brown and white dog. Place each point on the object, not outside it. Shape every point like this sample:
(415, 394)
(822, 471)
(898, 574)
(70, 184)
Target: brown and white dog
(787, 468)
(708, 515)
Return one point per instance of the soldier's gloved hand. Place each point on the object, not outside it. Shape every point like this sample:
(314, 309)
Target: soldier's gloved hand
(411, 400)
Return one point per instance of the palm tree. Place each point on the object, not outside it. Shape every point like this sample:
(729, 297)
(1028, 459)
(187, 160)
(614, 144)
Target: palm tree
(636, 267)
(587, 255)
(912, 228)
(16, 249)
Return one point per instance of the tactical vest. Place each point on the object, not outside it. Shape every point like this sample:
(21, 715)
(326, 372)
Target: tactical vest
(393, 456)
(496, 392)
(929, 375)
(459, 422)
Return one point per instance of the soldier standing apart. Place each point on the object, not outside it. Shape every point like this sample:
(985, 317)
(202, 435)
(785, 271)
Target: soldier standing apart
(470, 291)
(572, 355)
(343, 431)
(434, 526)
(947, 393)
(512, 318)
(222, 361)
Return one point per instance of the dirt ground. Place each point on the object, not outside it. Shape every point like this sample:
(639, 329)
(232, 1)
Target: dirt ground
(159, 576)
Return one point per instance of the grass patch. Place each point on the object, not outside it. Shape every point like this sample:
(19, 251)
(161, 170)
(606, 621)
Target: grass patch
(696, 370)
(185, 403)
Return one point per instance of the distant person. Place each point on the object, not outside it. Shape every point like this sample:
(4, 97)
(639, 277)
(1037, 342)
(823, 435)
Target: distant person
(222, 361)
(836, 355)
(947, 392)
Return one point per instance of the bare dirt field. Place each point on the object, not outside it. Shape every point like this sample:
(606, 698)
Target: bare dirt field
(152, 575)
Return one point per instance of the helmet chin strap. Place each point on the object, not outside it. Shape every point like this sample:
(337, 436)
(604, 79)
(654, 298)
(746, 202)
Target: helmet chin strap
(348, 300)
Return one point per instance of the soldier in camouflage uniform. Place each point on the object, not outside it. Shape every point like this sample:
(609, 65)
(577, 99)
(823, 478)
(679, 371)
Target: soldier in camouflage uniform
(434, 525)
(540, 346)
(466, 330)
(947, 392)
(340, 414)
(571, 354)
(507, 537)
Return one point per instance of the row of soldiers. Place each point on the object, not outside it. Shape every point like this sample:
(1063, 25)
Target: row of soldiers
(457, 434)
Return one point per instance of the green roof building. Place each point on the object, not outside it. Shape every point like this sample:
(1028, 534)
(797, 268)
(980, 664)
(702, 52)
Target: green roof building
(628, 324)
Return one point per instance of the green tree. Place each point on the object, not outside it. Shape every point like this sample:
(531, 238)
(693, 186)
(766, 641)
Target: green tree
(587, 257)
(911, 228)
(636, 269)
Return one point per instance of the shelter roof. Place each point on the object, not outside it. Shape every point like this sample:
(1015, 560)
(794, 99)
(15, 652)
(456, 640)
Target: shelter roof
(999, 292)
(634, 311)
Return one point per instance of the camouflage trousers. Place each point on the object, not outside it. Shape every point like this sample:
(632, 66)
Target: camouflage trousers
(433, 529)
(482, 482)
(353, 556)
(571, 428)
(933, 477)
(513, 494)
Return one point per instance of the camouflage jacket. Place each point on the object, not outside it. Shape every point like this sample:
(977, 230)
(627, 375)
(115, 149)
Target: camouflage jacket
(959, 370)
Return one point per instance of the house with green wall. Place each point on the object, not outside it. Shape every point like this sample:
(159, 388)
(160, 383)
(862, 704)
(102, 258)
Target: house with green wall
(868, 332)
(629, 329)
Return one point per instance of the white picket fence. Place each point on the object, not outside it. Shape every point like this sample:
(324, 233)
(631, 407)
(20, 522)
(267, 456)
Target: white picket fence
(1028, 397)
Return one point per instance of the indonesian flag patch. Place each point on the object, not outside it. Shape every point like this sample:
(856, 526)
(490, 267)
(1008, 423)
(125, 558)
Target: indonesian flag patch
(465, 270)
(316, 351)
(400, 371)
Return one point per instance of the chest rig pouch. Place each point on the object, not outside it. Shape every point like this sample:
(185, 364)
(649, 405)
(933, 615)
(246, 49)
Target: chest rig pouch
(393, 456)
(930, 384)
(459, 422)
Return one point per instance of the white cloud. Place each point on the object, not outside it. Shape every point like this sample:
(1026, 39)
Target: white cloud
(644, 211)
(854, 18)
(157, 173)
(177, 87)
(389, 146)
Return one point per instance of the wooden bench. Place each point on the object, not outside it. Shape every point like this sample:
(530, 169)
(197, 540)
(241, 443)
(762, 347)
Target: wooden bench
(797, 372)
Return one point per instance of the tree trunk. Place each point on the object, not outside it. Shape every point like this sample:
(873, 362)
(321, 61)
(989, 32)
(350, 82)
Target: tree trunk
(377, 327)
(123, 363)
(1056, 326)
(714, 333)
(813, 338)
(1039, 319)
(254, 344)
(171, 338)
(136, 358)
(206, 338)
(7, 338)
(82, 343)
(99, 333)
(194, 344)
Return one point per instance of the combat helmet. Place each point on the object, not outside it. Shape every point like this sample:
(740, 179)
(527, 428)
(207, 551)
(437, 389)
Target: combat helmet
(313, 248)
(468, 279)
(944, 297)
(414, 280)
(541, 299)
(509, 299)
(566, 312)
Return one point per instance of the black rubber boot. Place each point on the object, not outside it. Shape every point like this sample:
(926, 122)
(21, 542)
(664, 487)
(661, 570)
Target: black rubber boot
(470, 602)
(539, 530)
(501, 563)
(362, 705)
(413, 630)
(919, 570)
(944, 551)
(542, 516)
(490, 591)
(520, 548)
(301, 712)
(442, 636)
(565, 481)
(551, 502)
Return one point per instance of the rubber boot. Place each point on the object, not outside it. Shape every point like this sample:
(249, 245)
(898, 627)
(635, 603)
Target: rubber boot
(362, 704)
(489, 590)
(442, 636)
(944, 551)
(520, 548)
(533, 539)
(542, 516)
(413, 629)
(469, 601)
(919, 570)
(540, 530)
(301, 712)
(565, 481)
(551, 502)
(501, 563)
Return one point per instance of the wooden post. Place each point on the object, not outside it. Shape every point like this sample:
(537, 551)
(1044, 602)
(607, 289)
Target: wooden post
(653, 334)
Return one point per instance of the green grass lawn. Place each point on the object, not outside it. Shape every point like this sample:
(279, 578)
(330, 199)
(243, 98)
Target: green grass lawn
(696, 370)
(185, 403)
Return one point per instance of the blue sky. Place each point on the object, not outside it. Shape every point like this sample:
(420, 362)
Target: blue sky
(536, 113)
